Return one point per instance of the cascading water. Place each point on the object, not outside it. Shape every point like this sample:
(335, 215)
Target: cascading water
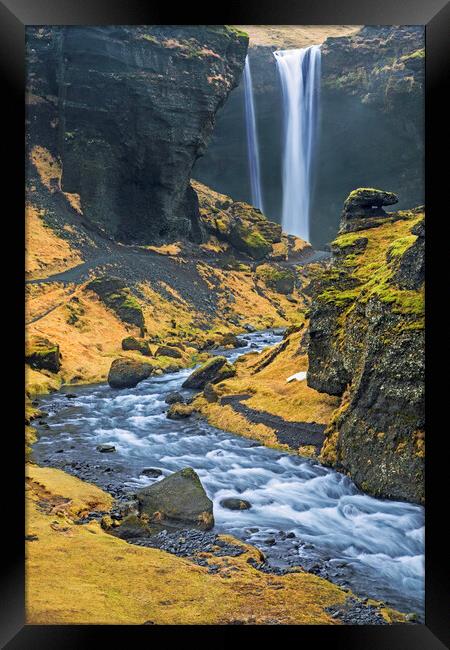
(299, 72)
(252, 139)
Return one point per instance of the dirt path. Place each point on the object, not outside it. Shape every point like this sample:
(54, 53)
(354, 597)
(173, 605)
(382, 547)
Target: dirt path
(293, 434)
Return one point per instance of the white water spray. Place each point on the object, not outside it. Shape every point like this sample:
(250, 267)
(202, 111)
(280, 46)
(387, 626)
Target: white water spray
(299, 72)
(252, 139)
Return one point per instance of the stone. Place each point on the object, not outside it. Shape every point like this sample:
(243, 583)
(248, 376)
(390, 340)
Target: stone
(363, 208)
(210, 393)
(173, 397)
(205, 373)
(168, 351)
(42, 354)
(106, 449)
(132, 343)
(152, 472)
(178, 500)
(127, 373)
(114, 293)
(180, 411)
(232, 503)
(132, 527)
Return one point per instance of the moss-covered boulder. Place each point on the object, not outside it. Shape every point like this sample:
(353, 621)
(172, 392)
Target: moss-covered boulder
(226, 371)
(127, 373)
(178, 500)
(42, 354)
(205, 373)
(132, 343)
(168, 351)
(179, 411)
(363, 208)
(132, 527)
(279, 279)
(118, 297)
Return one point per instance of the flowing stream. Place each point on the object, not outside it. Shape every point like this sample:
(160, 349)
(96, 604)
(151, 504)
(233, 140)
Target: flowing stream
(252, 139)
(302, 513)
(299, 71)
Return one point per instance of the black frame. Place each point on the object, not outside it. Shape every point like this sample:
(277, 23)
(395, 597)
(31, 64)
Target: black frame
(15, 15)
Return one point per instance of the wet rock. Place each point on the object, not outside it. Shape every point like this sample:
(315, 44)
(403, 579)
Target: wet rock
(205, 373)
(178, 500)
(232, 503)
(210, 393)
(127, 373)
(42, 354)
(173, 397)
(153, 472)
(70, 395)
(106, 449)
(180, 411)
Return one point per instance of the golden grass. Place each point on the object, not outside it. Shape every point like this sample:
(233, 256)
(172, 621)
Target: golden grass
(45, 252)
(291, 36)
(78, 574)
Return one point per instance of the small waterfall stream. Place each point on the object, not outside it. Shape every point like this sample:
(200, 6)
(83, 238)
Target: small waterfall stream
(252, 139)
(299, 71)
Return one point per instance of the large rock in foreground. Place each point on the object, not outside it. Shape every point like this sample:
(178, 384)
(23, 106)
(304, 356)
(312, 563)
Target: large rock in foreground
(364, 205)
(127, 373)
(178, 500)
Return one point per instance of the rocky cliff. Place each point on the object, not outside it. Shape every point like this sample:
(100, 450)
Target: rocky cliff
(371, 128)
(366, 345)
(126, 111)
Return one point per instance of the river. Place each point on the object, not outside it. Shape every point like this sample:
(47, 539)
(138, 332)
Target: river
(302, 513)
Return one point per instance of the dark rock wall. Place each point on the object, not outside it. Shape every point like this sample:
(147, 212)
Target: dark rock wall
(371, 126)
(367, 344)
(127, 110)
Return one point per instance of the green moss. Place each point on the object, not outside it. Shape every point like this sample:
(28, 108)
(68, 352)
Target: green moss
(400, 246)
(418, 54)
(346, 240)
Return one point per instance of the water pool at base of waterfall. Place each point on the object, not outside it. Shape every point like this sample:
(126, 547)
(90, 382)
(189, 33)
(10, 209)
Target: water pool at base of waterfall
(301, 512)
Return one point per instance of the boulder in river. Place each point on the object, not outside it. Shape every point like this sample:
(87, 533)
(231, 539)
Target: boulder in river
(127, 373)
(153, 472)
(205, 373)
(173, 397)
(106, 449)
(178, 500)
(233, 503)
(180, 411)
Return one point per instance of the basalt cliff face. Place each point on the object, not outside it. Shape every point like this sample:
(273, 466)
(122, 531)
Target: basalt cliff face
(366, 345)
(126, 112)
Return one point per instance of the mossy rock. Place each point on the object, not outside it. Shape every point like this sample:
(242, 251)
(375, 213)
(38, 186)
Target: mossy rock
(277, 278)
(168, 351)
(127, 373)
(132, 343)
(366, 203)
(178, 500)
(205, 373)
(179, 411)
(132, 527)
(117, 296)
(42, 354)
(226, 371)
(249, 240)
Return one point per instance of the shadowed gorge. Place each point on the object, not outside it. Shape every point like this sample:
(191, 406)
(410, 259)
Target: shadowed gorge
(224, 396)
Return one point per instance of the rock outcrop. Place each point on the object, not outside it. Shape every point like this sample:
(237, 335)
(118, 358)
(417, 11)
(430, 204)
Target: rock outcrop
(127, 373)
(42, 354)
(371, 130)
(130, 168)
(117, 296)
(178, 500)
(366, 344)
(212, 371)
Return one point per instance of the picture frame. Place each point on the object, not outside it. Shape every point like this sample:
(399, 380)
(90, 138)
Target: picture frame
(15, 15)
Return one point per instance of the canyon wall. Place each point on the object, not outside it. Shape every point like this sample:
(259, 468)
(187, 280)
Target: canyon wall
(371, 129)
(126, 111)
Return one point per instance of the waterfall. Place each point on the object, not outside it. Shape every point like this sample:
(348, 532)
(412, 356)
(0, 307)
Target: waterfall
(299, 72)
(252, 139)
